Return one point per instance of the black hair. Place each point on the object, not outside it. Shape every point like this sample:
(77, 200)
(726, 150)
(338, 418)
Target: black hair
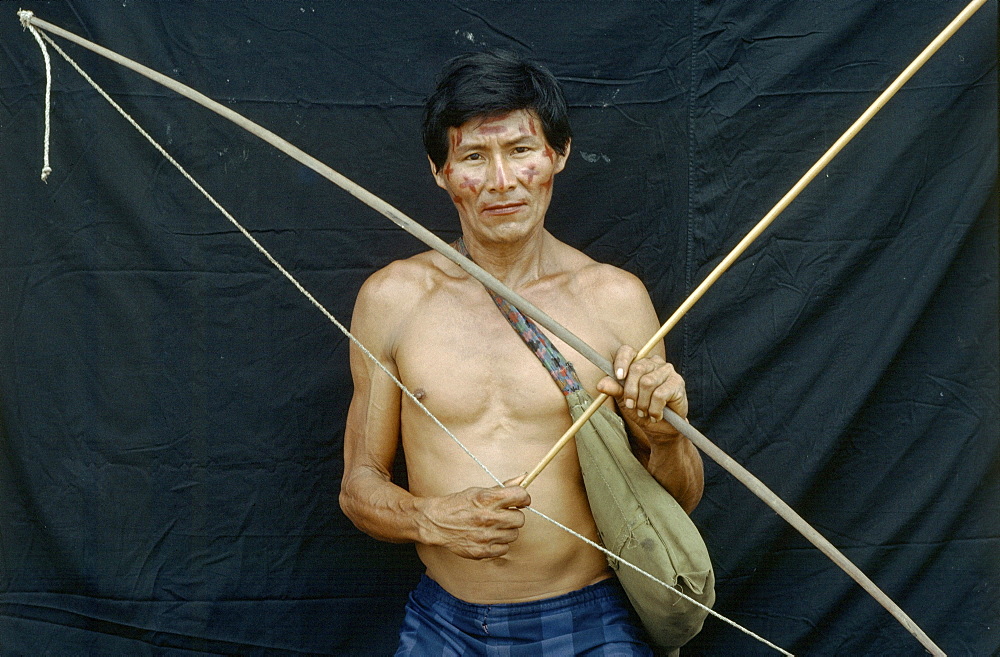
(491, 83)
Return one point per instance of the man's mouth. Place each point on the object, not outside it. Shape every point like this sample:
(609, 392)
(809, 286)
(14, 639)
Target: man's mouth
(502, 208)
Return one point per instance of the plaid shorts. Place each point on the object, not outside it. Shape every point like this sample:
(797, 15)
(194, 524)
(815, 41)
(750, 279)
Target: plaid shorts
(596, 620)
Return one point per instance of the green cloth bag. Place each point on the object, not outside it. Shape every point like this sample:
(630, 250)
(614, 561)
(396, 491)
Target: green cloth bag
(642, 523)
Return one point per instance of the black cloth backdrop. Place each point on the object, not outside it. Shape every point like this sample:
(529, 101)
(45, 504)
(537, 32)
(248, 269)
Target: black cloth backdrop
(172, 410)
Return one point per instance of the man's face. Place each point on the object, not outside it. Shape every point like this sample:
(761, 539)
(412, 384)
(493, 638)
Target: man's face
(499, 174)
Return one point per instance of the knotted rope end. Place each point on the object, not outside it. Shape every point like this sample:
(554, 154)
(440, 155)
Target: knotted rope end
(25, 17)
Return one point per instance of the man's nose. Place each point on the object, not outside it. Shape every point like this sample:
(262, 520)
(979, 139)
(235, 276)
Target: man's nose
(502, 176)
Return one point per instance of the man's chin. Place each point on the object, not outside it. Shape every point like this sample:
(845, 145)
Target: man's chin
(509, 232)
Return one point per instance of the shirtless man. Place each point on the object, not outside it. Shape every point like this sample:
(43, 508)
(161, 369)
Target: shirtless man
(496, 134)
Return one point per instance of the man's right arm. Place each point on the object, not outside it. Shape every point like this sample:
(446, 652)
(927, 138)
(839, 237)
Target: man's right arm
(474, 523)
(367, 495)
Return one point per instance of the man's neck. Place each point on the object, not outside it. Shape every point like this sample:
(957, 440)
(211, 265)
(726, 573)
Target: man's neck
(514, 264)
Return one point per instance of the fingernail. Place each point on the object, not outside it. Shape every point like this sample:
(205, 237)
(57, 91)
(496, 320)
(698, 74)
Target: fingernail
(640, 414)
(629, 403)
(620, 373)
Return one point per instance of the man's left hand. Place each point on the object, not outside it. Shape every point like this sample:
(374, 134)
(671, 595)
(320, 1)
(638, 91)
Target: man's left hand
(643, 388)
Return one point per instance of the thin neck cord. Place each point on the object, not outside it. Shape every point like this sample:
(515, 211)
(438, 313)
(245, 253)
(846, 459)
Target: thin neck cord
(315, 302)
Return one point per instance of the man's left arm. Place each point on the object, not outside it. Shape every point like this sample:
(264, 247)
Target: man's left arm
(643, 388)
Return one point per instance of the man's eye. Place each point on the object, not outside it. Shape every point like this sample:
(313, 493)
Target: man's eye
(473, 156)
(521, 149)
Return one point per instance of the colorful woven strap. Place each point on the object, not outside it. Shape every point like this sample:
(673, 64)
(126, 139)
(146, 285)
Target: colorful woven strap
(559, 368)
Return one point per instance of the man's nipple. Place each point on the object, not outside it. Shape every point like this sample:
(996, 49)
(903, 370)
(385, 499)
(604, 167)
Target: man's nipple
(419, 394)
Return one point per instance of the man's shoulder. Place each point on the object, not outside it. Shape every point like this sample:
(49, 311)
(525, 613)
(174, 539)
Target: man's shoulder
(616, 299)
(608, 281)
(615, 295)
(392, 296)
(404, 281)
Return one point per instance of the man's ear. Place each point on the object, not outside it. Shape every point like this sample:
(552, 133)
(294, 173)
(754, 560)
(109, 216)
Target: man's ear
(562, 159)
(438, 176)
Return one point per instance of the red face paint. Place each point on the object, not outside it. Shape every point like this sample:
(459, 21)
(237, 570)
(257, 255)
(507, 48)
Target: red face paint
(470, 183)
(499, 174)
(495, 119)
(491, 129)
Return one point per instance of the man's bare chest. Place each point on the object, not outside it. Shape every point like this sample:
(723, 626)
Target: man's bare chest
(466, 362)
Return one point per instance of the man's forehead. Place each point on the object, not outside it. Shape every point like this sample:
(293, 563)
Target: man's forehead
(521, 123)
(525, 119)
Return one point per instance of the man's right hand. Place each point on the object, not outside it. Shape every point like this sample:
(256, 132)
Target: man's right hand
(476, 523)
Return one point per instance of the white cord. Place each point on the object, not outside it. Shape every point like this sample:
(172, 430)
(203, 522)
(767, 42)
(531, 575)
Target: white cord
(25, 17)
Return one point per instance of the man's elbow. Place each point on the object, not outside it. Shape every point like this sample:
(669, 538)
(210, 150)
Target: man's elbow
(682, 477)
(350, 500)
(696, 484)
(359, 502)
(346, 502)
(689, 502)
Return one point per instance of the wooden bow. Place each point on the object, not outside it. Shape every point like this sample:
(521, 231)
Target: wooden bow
(431, 240)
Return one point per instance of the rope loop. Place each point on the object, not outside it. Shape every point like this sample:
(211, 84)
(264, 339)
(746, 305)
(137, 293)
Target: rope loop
(26, 17)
